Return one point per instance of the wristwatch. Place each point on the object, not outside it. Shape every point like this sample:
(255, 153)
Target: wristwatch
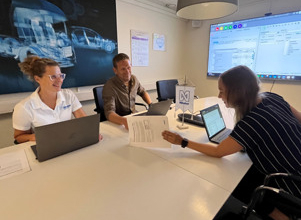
(184, 143)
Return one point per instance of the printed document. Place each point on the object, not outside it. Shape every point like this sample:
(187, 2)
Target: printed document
(145, 131)
(13, 163)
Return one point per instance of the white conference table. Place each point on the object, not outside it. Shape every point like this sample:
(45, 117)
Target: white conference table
(111, 180)
(224, 172)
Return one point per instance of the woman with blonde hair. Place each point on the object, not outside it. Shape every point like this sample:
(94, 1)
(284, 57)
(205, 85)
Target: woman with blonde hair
(267, 128)
(48, 104)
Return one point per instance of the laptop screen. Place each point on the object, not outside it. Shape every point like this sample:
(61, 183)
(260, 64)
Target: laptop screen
(159, 108)
(67, 136)
(213, 120)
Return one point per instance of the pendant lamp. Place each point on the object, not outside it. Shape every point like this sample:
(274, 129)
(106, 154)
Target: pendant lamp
(206, 9)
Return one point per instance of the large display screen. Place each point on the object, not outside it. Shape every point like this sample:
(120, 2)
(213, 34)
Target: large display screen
(80, 35)
(270, 46)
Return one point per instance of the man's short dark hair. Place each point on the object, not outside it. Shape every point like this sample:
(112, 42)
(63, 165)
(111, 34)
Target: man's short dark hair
(119, 57)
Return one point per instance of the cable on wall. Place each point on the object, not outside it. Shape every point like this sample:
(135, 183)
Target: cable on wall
(272, 86)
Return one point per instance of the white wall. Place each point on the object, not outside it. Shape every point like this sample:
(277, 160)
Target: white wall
(197, 43)
(162, 65)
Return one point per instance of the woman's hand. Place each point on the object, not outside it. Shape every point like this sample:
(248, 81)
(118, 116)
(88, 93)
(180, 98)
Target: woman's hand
(100, 137)
(24, 136)
(171, 137)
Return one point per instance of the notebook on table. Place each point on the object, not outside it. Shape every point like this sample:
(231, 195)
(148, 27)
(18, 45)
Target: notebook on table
(215, 124)
(159, 108)
(63, 137)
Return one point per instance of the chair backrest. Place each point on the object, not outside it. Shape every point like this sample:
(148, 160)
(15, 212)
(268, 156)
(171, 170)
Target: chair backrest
(97, 92)
(166, 89)
(276, 197)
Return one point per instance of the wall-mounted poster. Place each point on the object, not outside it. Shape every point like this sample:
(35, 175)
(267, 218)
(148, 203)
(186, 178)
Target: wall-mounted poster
(81, 35)
(139, 46)
(159, 42)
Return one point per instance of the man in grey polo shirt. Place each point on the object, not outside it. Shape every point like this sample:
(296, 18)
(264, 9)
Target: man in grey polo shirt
(119, 92)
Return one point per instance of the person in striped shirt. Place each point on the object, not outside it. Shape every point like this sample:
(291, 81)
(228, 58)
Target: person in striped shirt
(267, 128)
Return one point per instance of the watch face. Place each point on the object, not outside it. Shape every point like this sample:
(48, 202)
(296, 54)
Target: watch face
(184, 143)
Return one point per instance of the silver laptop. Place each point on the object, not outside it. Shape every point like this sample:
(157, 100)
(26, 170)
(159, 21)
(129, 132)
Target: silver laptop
(159, 108)
(214, 124)
(63, 137)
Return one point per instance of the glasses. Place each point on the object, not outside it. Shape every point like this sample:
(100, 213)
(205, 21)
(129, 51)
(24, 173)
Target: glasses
(57, 76)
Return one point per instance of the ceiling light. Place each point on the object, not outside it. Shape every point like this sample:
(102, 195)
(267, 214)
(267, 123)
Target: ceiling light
(206, 9)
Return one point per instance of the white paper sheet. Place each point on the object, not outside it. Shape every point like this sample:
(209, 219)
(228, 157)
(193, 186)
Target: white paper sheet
(145, 131)
(13, 163)
(140, 48)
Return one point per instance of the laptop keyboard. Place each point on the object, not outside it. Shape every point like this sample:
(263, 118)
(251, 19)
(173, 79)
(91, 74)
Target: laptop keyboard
(221, 136)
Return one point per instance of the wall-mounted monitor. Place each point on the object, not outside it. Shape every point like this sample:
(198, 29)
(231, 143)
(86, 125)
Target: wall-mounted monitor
(269, 45)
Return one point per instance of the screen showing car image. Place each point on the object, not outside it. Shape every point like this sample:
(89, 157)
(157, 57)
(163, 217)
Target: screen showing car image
(270, 46)
(81, 36)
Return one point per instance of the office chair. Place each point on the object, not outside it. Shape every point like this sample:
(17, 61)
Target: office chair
(264, 197)
(97, 93)
(277, 197)
(166, 89)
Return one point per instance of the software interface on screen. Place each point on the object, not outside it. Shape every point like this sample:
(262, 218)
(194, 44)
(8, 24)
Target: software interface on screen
(270, 46)
(214, 122)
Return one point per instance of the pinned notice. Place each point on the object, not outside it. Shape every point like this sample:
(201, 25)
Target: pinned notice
(13, 163)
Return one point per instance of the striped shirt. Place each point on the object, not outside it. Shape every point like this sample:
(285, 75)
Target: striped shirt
(271, 135)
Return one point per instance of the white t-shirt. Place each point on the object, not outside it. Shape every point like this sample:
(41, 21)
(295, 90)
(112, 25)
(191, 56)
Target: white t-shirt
(32, 112)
